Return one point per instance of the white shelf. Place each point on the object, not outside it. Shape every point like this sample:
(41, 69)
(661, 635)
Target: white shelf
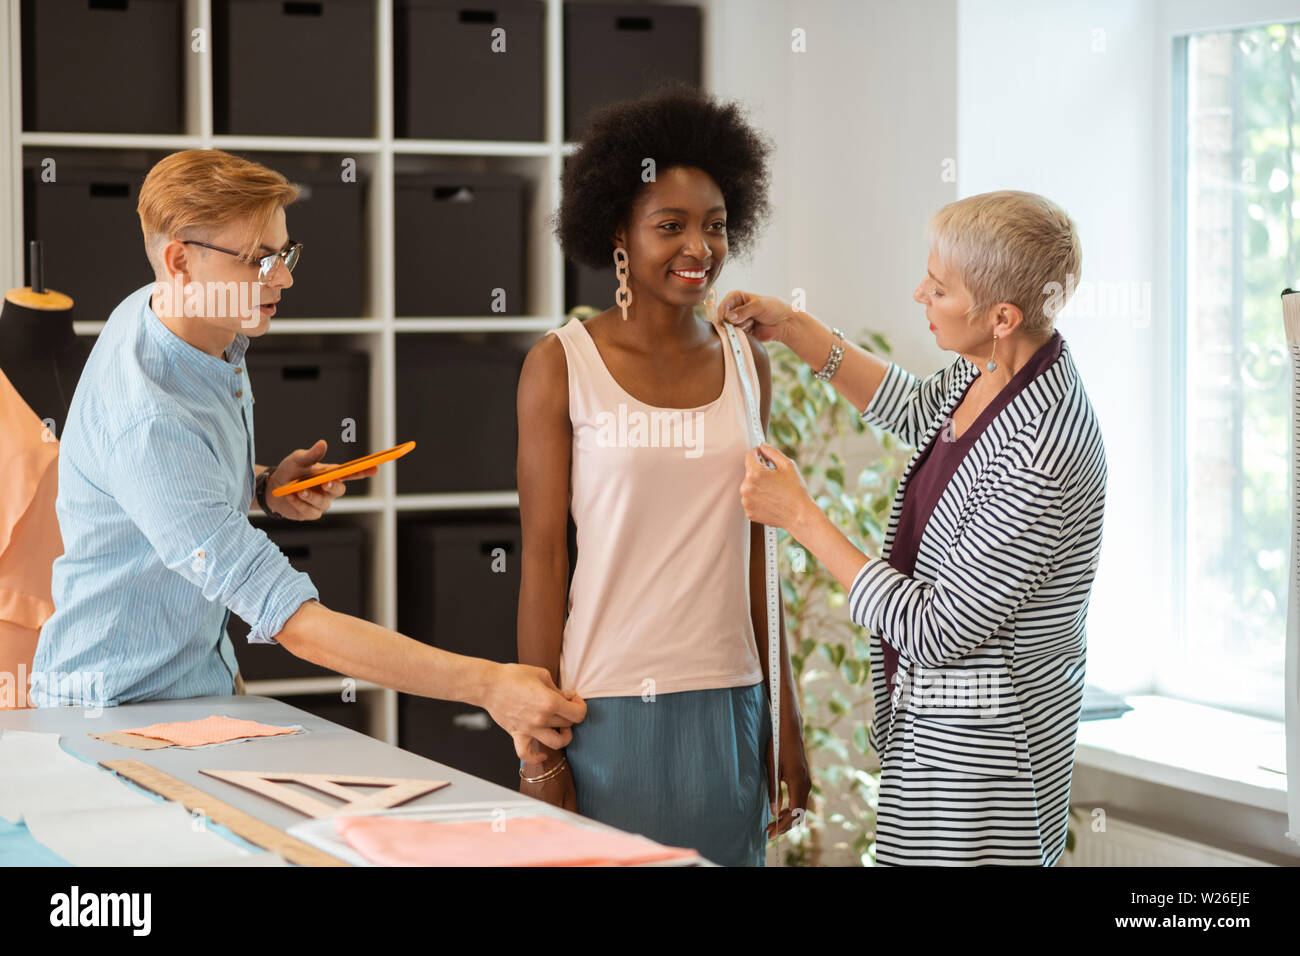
(458, 500)
(470, 323)
(168, 141)
(350, 504)
(324, 326)
(358, 505)
(306, 685)
(294, 144)
(279, 326)
(483, 147)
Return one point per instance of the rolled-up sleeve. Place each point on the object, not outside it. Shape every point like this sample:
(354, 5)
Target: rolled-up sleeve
(167, 480)
(1004, 554)
(905, 405)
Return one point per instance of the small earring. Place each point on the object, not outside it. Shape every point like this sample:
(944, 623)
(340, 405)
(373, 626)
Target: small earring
(992, 365)
(623, 298)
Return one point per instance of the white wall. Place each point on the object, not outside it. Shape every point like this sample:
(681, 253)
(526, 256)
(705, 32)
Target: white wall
(862, 123)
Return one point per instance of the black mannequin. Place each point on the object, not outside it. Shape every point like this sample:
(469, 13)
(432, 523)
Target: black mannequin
(40, 353)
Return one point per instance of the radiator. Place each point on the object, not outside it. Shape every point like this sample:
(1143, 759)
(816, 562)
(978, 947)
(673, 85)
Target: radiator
(1127, 844)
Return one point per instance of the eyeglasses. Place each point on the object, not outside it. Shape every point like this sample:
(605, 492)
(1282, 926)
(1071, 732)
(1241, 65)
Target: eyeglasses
(266, 264)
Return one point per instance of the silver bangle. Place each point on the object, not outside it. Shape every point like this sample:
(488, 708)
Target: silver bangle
(837, 354)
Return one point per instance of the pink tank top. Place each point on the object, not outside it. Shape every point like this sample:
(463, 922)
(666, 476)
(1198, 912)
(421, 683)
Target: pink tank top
(660, 596)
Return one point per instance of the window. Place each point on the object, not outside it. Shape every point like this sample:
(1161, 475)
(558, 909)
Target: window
(1237, 101)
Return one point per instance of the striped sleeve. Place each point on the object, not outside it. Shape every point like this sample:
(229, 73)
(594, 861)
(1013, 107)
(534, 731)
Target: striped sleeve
(1005, 552)
(167, 480)
(905, 405)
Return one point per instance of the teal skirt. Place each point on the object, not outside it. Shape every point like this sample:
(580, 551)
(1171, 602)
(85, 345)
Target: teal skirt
(686, 769)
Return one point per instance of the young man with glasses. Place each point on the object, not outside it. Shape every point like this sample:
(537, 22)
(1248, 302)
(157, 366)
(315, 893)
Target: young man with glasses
(156, 476)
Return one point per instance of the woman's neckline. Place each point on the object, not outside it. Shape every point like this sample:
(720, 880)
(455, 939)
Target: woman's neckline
(726, 375)
(1035, 366)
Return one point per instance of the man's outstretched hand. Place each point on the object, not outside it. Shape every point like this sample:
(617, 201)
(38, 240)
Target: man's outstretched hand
(310, 503)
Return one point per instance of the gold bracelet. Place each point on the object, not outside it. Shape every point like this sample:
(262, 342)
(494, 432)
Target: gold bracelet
(564, 762)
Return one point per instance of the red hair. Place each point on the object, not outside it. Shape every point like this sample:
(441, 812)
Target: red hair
(199, 189)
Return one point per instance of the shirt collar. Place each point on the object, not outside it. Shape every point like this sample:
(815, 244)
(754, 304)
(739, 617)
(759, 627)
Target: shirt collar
(183, 351)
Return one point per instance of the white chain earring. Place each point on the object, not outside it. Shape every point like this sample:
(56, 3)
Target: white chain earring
(623, 298)
(711, 305)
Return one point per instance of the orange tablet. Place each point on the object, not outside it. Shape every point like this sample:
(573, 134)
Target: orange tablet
(342, 471)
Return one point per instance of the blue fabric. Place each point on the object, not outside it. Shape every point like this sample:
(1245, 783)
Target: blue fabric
(155, 481)
(685, 769)
(19, 848)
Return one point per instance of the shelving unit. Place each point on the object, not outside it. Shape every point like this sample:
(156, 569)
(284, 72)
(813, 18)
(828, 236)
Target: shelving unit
(379, 159)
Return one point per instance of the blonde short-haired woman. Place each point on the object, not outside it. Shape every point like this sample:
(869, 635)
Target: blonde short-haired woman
(977, 606)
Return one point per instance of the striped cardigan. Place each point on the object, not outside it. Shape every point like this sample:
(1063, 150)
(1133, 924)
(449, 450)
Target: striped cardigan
(977, 743)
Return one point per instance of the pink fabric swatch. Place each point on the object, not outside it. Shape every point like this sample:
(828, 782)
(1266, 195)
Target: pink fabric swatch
(209, 730)
(521, 841)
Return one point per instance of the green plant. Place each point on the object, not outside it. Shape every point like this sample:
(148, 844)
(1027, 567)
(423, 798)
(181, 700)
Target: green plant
(809, 421)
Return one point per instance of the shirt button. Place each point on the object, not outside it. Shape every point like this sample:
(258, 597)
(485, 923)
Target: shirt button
(239, 394)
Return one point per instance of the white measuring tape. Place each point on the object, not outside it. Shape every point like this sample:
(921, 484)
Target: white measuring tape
(771, 560)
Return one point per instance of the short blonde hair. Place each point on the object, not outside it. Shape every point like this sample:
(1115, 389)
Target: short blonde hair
(1010, 246)
(199, 189)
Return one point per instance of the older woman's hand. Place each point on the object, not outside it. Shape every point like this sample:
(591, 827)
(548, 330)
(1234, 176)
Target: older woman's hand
(774, 496)
(765, 317)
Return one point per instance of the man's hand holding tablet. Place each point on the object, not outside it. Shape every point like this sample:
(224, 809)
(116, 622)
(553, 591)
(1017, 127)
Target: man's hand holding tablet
(303, 487)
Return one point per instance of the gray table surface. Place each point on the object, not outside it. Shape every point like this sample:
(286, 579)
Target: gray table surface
(324, 748)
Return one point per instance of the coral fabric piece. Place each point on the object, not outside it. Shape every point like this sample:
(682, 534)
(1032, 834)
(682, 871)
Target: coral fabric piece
(517, 841)
(29, 538)
(209, 730)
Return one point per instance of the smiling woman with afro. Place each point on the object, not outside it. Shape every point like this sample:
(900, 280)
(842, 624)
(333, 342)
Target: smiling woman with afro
(634, 422)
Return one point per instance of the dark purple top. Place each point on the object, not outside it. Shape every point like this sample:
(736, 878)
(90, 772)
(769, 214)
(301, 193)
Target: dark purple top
(934, 470)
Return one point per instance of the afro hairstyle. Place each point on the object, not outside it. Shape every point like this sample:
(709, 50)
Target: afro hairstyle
(677, 125)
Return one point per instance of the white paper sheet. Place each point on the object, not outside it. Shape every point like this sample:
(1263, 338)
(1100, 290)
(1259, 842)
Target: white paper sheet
(91, 817)
(37, 774)
(160, 834)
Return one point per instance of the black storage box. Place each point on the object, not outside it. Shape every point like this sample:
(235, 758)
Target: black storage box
(458, 589)
(584, 285)
(304, 395)
(331, 555)
(87, 221)
(328, 219)
(453, 80)
(103, 66)
(460, 239)
(332, 707)
(456, 400)
(293, 68)
(623, 51)
(458, 735)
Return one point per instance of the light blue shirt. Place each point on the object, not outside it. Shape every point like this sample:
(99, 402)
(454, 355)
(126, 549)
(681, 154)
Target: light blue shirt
(155, 482)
